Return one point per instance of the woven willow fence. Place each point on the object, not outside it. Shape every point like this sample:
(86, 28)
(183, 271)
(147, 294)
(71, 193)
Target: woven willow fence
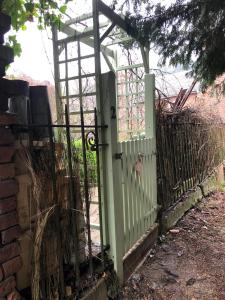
(188, 149)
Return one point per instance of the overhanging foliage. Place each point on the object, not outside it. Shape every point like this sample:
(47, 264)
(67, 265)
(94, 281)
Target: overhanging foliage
(188, 33)
(44, 12)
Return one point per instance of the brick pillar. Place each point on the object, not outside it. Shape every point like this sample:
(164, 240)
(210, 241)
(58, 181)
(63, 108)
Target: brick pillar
(10, 259)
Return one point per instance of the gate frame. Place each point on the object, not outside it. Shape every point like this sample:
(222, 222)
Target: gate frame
(105, 101)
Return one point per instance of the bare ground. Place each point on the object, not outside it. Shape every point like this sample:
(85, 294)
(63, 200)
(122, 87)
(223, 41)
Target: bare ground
(189, 263)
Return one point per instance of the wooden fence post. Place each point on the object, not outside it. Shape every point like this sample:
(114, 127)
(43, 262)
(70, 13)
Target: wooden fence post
(112, 174)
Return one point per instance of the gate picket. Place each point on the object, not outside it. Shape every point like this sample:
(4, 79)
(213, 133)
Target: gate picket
(122, 149)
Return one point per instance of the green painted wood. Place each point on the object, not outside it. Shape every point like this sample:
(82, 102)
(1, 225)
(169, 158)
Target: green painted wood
(144, 196)
(148, 183)
(130, 191)
(122, 147)
(112, 176)
(149, 105)
(130, 198)
(135, 187)
(149, 211)
(128, 204)
(140, 190)
(139, 202)
(146, 172)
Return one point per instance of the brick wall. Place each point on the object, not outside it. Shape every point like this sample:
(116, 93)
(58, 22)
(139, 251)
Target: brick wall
(10, 258)
(10, 231)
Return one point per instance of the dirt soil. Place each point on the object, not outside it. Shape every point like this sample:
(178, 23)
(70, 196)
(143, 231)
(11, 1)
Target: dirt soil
(189, 262)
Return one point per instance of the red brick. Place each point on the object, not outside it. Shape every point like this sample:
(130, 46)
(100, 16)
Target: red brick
(12, 266)
(7, 205)
(6, 136)
(7, 171)
(9, 251)
(7, 286)
(10, 234)
(8, 188)
(7, 119)
(8, 220)
(6, 154)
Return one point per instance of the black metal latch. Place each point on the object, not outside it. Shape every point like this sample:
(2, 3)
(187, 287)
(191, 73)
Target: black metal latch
(118, 155)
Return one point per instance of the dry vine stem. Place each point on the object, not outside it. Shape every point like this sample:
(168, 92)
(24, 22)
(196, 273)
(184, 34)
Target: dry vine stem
(41, 225)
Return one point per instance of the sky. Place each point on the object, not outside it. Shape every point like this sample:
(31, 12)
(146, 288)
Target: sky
(36, 59)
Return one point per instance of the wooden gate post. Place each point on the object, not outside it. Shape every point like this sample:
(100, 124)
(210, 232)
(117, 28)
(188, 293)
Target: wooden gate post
(150, 127)
(149, 105)
(112, 174)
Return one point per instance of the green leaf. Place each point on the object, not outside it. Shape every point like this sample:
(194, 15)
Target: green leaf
(13, 43)
(24, 27)
(44, 12)
(29, 7)
(63, 9)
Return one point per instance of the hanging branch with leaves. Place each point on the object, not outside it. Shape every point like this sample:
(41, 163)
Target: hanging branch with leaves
(44, 13)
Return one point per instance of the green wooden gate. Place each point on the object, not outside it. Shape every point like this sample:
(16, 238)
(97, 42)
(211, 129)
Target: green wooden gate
(129, 176)
(138, 189)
